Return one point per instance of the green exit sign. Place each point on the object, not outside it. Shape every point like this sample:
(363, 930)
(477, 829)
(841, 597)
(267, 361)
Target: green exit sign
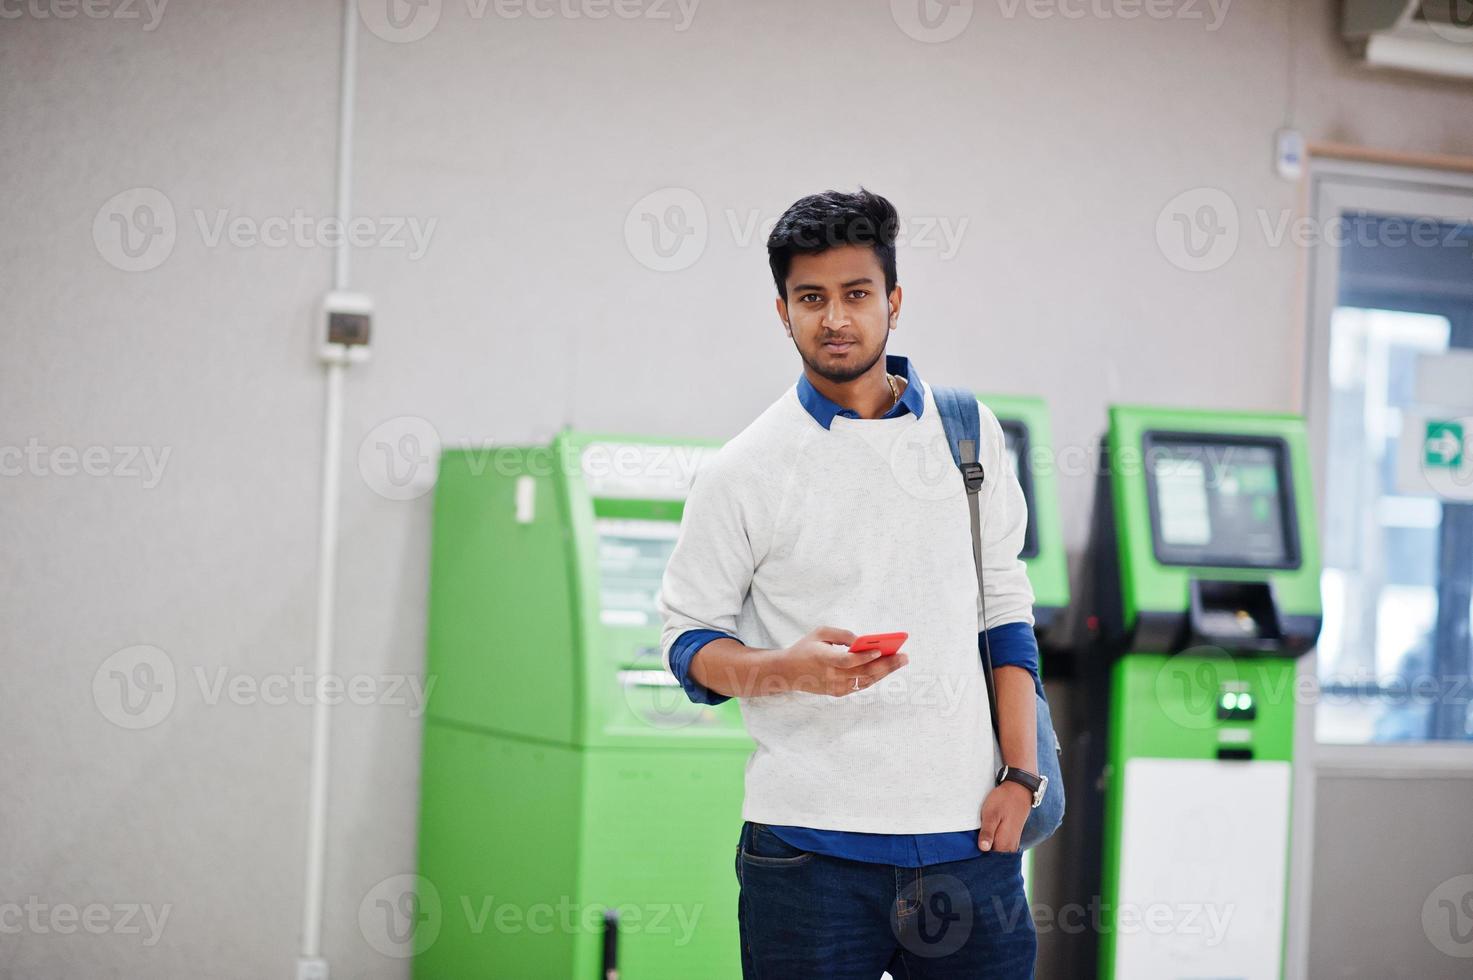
(1443, 446)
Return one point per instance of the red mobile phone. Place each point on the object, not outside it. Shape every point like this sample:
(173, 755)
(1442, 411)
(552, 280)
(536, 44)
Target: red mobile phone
(886, 643)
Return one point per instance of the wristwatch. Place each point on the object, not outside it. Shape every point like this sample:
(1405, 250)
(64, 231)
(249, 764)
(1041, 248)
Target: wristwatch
(1034, 783)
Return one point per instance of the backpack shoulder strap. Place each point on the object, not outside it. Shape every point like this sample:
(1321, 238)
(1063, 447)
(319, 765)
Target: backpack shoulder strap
(962, 421)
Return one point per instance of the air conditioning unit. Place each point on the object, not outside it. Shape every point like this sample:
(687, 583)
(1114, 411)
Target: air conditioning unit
(1430, 36)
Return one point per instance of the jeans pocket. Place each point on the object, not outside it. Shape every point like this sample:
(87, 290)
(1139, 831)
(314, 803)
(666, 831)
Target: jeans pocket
(763, 848)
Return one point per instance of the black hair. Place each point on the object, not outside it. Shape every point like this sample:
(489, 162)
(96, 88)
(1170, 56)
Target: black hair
(820, 222)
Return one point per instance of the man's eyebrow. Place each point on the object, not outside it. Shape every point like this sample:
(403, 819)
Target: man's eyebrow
(866, 281)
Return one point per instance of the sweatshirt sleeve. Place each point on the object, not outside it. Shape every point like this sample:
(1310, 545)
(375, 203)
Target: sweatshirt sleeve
(1013, 645)
(707, 578)
(1009, 593)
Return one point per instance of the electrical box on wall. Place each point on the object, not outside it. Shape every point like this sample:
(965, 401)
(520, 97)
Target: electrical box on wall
(347, 324)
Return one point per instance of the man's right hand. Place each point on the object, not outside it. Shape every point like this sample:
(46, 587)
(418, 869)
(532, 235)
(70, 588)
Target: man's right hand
(820, 663)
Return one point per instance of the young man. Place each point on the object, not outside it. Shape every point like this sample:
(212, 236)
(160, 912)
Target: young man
(875, 835)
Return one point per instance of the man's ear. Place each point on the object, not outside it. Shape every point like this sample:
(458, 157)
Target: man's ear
(782, 314)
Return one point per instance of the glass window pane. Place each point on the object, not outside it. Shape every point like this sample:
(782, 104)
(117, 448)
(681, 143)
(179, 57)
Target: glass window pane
(1381, 549)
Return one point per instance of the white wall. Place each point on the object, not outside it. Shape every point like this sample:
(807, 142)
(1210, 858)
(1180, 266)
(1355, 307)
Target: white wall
(1059, 141)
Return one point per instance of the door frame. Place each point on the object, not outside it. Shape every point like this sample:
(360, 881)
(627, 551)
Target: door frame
(1334, 184)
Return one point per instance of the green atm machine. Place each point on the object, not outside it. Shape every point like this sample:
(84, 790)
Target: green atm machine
(1205, 589)
(1025, 426)
(577, 812)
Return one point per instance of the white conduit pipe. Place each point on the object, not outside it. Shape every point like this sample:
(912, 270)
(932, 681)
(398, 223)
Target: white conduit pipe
(332, 438)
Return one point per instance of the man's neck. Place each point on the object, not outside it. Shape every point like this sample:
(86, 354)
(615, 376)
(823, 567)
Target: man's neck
(869, 394)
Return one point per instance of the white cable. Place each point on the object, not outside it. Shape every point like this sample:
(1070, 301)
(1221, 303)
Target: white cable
(347, 93)
(332, 438)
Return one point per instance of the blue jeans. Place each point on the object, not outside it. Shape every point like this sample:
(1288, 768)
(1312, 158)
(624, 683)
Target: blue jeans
(811, 915)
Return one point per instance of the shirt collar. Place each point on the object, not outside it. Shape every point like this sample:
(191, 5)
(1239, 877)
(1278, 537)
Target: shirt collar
(823, 409)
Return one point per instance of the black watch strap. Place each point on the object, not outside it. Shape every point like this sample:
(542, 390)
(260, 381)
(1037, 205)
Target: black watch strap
(1031, 781)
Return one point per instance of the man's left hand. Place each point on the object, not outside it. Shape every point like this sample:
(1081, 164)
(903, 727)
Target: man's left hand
(1004, 812)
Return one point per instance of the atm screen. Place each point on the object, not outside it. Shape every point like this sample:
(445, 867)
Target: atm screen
(1015, 434)
(632, 555)
(1224, 501)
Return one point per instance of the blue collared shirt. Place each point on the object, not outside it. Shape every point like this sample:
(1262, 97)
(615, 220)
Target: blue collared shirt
(1013, 645)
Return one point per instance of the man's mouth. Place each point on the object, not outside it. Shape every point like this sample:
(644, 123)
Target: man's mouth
(837, 346)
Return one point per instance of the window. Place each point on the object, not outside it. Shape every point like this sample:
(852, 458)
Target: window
(1380, 549)
(1394, 654)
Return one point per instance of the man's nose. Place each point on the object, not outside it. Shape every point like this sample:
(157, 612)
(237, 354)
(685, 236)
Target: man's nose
(834, 315)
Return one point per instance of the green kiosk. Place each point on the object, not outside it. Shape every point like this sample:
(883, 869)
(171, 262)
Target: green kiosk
(571, 793)
(1025, 425)
(1204, 590)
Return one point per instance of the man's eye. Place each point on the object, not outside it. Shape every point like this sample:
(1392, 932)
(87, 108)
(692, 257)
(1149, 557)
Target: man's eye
(807, 296)
(859, 293)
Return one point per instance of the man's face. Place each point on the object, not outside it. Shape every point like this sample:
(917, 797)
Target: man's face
(837, 312)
